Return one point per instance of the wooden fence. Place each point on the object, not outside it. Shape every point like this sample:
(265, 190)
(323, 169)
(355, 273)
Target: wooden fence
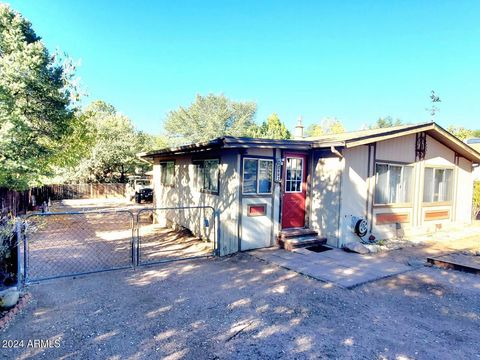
(13, 202)
(85, 191)
(19, 202)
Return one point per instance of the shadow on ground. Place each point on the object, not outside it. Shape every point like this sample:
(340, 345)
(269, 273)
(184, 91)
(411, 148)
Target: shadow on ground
(242, 307)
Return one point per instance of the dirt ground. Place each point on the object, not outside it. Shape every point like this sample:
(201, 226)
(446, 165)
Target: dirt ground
(64, 244)
(240, 307)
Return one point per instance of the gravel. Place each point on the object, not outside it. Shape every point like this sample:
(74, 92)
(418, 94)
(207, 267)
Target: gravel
(240, 308)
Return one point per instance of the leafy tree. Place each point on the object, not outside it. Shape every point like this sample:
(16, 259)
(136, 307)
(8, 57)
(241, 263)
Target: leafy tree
(36, 90)
(327, 126)
(210, 117)
(112, 143)
(386, 122)
(461, 132)
(272, 128)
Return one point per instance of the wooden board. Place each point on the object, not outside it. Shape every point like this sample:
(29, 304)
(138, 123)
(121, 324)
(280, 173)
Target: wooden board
(437, 215)
(392, 218)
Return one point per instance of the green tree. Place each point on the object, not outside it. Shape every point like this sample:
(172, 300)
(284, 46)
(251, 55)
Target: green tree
(327, 126)
(210, 117)
(113, 145)
(461, 132)
(386, 122)
(272, 128)
(36, 90)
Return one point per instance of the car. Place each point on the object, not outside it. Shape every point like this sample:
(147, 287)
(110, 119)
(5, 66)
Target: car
(139, 189)
(145, 194)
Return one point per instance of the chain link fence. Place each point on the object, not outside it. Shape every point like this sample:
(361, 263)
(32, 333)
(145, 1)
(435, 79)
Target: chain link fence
(65, 244)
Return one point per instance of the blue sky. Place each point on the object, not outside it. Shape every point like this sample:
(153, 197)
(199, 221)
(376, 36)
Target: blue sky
(354, 60)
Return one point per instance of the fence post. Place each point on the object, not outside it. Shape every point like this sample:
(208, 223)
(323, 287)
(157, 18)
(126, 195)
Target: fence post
(25, 252)
(18, 242)
(217, 230)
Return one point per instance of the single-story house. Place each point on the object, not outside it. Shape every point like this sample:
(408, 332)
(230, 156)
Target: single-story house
(384, 182)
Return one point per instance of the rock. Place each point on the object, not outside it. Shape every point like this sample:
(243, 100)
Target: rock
(373, 248)
(9, 297)
(356, 247)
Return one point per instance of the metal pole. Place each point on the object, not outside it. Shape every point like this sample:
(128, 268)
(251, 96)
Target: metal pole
(25, 255)
(18, 230)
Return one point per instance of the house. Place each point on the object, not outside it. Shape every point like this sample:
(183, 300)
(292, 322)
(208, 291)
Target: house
(386, 182)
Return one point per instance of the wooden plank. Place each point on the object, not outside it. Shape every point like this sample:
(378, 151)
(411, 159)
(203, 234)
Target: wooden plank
(437, 215)
(456, 262)
(392, 218)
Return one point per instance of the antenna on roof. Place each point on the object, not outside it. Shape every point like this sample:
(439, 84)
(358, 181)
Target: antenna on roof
(434, 98)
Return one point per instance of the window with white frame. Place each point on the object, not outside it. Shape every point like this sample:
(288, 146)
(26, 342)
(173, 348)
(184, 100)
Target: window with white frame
(393, 183)
(437, 185)
(257, 176)
(294, 175)
(167, 173)
(206, 176)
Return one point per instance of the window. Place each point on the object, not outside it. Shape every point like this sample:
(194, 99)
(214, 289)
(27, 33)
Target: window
(393, 184)
(167, 173)
(294, 175)
(257, 176)
(207, 175)
(438, 185)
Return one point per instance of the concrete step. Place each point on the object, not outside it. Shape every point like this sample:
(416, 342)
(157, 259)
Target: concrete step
(300, 242)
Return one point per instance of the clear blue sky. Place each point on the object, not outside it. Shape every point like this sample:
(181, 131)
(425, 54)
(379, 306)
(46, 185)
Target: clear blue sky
(355, 60)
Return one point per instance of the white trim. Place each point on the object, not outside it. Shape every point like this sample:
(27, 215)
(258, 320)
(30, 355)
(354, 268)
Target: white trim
(302, 171)
(257, 160)
(449, 191)
(402, 175)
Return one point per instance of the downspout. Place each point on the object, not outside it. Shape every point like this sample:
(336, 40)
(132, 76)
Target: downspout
(336, 152)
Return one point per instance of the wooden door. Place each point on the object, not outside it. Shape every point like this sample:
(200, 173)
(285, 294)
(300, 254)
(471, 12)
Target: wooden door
(294, 190)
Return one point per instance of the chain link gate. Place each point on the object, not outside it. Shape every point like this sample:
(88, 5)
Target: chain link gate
(63, 244)
(76, 243)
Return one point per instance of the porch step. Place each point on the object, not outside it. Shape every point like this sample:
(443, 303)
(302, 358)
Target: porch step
(294, 233)
(303, 241)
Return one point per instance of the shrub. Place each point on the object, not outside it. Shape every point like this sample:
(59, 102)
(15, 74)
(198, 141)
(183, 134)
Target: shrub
(476, 199)
(8, 252)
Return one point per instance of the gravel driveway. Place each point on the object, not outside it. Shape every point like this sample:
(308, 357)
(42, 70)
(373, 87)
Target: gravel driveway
(241, 307)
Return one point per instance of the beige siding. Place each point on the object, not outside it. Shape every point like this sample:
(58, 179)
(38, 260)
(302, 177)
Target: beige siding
(438, 154)
(326, 183)
(464, 193)
(185, 193)
(354, 191)
(416, 217)
(401, 149)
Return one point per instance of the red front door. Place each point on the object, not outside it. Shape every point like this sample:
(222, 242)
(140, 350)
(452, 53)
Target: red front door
(294, 190)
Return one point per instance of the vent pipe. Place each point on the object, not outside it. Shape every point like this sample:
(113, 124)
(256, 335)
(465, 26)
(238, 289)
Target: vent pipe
(298, 132)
